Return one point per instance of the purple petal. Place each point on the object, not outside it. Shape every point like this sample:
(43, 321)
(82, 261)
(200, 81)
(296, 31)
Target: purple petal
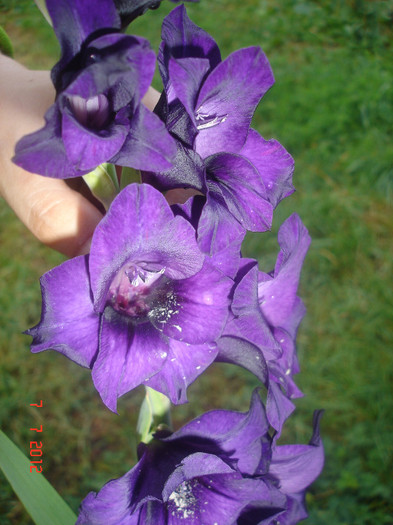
(249, 323)
(121, 66)
(188, 171)
(183, 39)
(148, 145)
(86, 149)
(68, 323)
(274, 164)
(243, 437)
(240, 352)
(278, 407)
(194, 465)
(297, 466)
(204, 306)
(183, 365)
(187, 76)
(140, 227)
(126, 358)
(242, 189)
(74, 20)
(217, 228)
(277, 296)
(43, 151)
(214, 498)
(230, 97)
(111, 506)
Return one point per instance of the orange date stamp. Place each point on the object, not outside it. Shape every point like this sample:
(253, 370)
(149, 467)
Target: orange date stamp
(36, 447)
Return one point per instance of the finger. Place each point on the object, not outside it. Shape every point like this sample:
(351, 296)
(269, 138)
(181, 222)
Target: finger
(57, 215)
(151, 98)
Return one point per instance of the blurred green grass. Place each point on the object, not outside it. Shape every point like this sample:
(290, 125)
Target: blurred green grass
(332, 107)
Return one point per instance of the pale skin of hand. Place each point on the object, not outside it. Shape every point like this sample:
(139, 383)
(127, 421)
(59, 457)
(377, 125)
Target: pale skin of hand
(59, 216)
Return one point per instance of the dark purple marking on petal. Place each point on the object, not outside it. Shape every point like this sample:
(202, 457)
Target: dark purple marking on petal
(188, 171)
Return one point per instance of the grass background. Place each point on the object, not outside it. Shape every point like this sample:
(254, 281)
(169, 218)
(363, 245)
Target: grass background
(332, 107)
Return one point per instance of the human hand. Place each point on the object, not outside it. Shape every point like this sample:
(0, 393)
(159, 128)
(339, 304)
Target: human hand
(55, 211)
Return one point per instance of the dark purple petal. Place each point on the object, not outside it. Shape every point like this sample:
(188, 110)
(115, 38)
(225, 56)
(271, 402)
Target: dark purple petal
(193, 466)
(228, 99)
(188, 171)
(183, 365)
(68, 323)
(274, 164)
(242, 189)
(74, 20)
(148, 145)
(214, 498)
(183, 39)
(187, 75)
(296, 510)
(241, 436)
(240, 352)
(85, 148)
(111, 505)
(204, 300)
(140, 227)
(120, 66)
(127, 357)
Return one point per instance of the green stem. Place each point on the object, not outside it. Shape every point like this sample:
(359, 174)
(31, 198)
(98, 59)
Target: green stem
(154, 414)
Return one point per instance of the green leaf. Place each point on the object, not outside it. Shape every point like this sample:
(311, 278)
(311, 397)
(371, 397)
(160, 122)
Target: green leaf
(40, 499)
(154, 413)
(5, 44)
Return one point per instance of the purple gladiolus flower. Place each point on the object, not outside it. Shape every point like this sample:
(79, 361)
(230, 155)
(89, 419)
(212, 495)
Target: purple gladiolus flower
(218, 469)
(145, 307)
(208, 107)
(98, 116)
(266, 312)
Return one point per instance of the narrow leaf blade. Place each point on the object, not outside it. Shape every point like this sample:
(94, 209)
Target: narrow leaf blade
(42, 502)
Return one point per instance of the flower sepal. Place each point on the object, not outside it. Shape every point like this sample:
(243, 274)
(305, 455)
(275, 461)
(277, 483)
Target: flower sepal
(103, 183)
